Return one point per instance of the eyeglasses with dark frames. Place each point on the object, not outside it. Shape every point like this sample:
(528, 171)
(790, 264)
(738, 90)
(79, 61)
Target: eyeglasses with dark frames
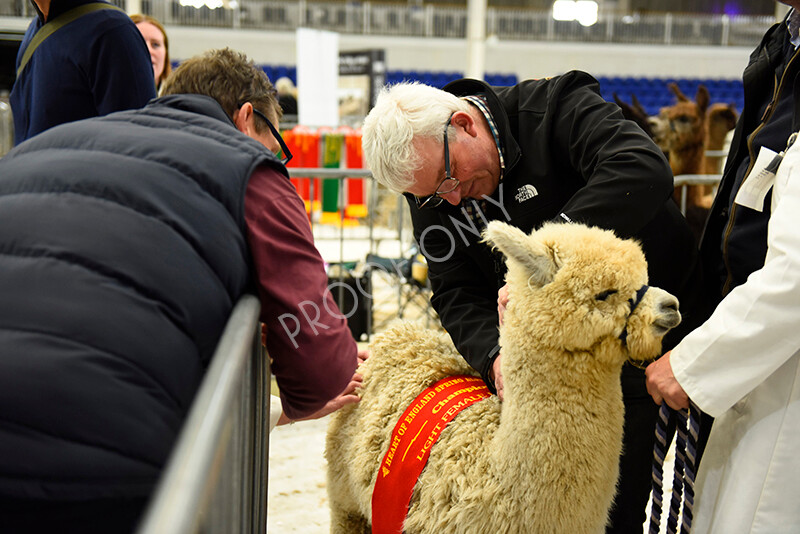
(287, 154)
(447, 185)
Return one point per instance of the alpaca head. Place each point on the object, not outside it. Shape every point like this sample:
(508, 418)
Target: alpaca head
(683, 124)
(721, 118)
(574, 288)
(636, 113)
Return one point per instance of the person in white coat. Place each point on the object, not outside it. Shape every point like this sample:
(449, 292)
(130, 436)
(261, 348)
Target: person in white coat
(743, 367)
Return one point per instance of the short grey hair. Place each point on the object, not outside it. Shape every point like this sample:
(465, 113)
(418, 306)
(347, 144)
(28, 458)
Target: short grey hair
(402, 113)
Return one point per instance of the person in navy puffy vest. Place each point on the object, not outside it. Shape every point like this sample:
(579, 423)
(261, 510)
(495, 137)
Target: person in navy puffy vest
(125, 242)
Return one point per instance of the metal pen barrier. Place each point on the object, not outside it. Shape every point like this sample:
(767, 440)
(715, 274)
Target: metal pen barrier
(685, 180)
(216, 478)
(341, 175)
(6, 125)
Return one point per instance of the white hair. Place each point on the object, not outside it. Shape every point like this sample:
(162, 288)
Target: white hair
(285, 86)
(402, 113)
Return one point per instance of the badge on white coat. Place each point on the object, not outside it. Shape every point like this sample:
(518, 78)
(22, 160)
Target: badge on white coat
(758, 183)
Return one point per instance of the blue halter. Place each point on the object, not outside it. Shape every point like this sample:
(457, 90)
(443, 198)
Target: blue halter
(633, 302)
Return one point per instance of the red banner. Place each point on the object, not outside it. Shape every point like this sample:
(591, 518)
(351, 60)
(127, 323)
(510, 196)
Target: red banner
(412, 438)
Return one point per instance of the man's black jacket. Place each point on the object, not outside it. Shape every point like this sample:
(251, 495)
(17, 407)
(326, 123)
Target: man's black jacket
(569, 156)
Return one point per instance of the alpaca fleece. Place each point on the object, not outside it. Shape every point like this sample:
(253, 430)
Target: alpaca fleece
(546, 459)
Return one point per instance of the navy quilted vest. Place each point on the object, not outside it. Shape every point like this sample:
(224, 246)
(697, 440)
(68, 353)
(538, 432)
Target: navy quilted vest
(123, 249)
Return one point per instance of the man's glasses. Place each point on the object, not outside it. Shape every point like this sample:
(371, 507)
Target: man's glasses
(447, 185)
(287, 154)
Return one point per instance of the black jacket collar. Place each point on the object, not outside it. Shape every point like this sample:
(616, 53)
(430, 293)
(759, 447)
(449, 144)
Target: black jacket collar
(468, 86)
(202, 104)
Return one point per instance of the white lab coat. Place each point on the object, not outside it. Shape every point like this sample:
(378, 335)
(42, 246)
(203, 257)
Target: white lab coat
(743, 367)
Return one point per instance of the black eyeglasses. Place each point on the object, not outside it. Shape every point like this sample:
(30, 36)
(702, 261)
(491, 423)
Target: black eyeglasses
(287, 154)
(447, 185)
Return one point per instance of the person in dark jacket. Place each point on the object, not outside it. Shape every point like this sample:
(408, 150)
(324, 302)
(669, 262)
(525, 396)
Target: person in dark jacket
(734, 241)
(126, 241)
(734, 248)
(542, 150)
(90, 66)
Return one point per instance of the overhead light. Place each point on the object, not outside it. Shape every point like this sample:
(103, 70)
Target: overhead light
(211, 4)
(584, 11)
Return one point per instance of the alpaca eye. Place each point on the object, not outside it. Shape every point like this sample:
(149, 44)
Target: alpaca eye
(605, 294)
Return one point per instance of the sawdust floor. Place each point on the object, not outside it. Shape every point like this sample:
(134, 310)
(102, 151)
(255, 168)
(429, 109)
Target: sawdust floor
(298, 500)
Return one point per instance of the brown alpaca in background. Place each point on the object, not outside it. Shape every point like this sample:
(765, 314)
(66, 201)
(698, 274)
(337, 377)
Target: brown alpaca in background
(680, 131)
(635, 112)
(721, 119)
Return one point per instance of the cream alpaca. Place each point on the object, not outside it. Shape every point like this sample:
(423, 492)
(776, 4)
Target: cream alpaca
(545, 460)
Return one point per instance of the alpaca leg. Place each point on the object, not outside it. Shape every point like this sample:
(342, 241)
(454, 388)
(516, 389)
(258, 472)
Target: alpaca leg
(345, 522)
(345, 517)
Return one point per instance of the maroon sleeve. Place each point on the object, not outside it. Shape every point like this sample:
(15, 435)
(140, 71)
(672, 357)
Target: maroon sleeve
(312, 350)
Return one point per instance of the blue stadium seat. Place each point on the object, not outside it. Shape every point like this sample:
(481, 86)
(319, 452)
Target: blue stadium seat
(654, 93)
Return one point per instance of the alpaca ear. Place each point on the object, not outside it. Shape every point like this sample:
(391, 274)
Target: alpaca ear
(537, 258)
(702, 98)
(730, 116)
(638, 106)
(626, 109)
(677, 92)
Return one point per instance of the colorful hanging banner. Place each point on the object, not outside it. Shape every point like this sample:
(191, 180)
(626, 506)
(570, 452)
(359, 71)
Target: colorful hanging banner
(356, 194)
(412, 438)
(332, 145)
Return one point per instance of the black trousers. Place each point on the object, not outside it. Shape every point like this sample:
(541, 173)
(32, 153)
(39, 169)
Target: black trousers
(103, 516)
(629, 511)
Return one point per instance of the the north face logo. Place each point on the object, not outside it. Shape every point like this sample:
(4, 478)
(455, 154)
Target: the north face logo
(526, 192)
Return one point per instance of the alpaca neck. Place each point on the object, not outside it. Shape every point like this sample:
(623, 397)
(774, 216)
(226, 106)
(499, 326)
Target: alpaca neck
(715, 141)
(553, 403)
(716, 138)
(687, 159)
(559, 439)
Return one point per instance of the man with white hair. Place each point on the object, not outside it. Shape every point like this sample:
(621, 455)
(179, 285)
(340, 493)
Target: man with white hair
(543, 150)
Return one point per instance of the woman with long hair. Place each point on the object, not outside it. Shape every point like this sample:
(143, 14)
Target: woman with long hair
(157, 43)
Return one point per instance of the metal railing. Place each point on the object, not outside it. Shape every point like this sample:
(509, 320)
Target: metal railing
(683, 181)
(399, 230)
(376, 18)
(6, 125)
(216, 478)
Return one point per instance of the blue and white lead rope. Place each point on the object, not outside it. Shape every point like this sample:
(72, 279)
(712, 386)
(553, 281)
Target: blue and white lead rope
(684, 472)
